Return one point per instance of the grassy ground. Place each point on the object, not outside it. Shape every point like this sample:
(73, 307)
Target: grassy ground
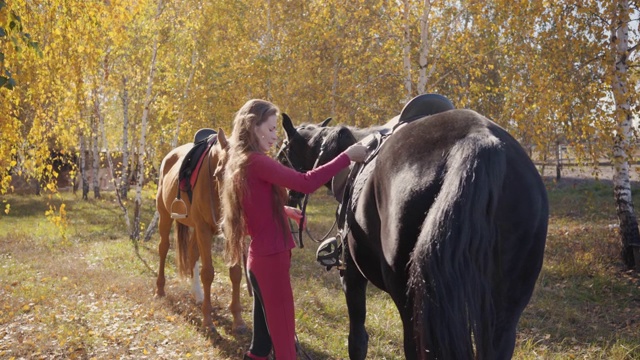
(85, 292)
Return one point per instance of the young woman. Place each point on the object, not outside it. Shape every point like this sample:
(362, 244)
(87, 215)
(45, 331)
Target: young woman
(253, 198)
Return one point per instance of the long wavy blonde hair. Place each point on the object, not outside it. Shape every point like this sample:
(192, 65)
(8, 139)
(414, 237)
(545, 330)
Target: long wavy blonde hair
(243, 142)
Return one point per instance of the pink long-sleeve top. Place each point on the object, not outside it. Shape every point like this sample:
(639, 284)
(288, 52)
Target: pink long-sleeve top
(263, 171)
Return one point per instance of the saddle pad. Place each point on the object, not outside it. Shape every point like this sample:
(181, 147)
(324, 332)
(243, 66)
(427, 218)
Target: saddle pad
(352, 189)
(359, 182)
(339, 183)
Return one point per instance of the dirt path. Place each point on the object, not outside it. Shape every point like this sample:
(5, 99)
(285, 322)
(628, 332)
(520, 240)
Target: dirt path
(602, 173)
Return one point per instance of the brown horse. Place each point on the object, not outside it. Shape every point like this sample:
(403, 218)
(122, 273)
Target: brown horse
(203, 216)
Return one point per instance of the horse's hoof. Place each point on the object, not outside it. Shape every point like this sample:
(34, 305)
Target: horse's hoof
(211, 333)
(240, 330)
(198, 295)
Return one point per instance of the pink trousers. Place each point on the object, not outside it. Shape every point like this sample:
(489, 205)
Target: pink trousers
(273, 310)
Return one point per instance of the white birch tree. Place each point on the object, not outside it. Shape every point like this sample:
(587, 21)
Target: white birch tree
(621, 89)
(424, 47)
(135, 231)
(406, 48)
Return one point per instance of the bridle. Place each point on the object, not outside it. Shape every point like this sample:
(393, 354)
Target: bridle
(282, 154)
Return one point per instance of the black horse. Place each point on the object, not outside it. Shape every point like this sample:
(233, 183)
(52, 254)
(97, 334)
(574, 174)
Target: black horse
(450, 218)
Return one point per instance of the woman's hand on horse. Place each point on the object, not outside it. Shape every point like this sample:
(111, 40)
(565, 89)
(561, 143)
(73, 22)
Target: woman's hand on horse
(357, 152)
(295, 214)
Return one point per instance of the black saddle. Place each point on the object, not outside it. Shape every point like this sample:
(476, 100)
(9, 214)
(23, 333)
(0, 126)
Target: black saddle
(202, 142)
(203, 135)
(424, 105)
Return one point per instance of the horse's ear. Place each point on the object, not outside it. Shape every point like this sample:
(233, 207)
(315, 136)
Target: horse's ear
(345, 138)
(222, 139)
(287, 124)
(325, 122)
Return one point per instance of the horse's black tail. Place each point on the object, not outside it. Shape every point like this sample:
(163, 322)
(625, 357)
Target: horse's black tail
(450, 270)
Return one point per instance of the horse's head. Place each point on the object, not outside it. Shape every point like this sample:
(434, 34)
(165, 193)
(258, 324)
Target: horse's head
(308, 142)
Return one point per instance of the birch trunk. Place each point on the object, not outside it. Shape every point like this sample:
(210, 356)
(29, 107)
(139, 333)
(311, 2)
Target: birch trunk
(622, 186)
(424, 47)
(135, 232)
(95, 169)
(124, 176)
(406, 50)
(83, 166)
(98, 114)
(153, 224)
(558, 162)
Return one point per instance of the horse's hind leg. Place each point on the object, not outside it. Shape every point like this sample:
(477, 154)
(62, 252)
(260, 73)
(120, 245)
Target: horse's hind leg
(164, 228)
(355, 287)
(505, 338)
(406, 314)
(194, 257)
(203, 236)
(235, 273)
(514, 292)
(507, 316)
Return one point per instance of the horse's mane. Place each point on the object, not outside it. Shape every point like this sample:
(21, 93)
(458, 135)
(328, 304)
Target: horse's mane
(361, 133)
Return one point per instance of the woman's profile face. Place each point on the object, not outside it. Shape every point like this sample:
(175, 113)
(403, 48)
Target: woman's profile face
(266, 133)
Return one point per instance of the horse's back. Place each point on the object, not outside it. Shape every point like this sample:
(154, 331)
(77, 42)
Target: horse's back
(413, 163)
(174, 157)
(405, 180)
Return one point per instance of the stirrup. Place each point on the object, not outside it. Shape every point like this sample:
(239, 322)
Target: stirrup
(178, 209)
(329, 253)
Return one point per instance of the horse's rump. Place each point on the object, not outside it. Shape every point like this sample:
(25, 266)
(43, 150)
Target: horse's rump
(456, 260)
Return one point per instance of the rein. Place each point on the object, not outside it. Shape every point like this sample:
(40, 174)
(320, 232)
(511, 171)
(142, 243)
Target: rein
(306, 199)
(282, 153)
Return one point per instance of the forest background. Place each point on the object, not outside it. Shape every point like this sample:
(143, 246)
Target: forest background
(110, 84)
(84, 79)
